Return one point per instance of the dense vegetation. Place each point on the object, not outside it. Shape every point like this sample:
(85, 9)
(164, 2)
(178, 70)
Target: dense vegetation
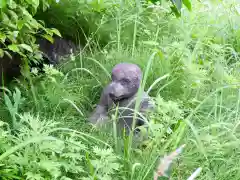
(192, 70)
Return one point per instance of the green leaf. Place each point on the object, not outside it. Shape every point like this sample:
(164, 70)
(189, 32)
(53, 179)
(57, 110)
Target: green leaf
(188, 4)
(5, 18)
(177, 4)
(35, 4)
(48, 37)
(17, 98)
(48, 31)
(2, 37)
(13, 15)
(26, 47)
(50, 166)
(160, 54)
(14, 48)
(33, 23)
(15, 34)
(1, 125)
(55, 31)
(12, 36)
(35, 176)
(20, 24)
(1, 53)
(65, 178)
(27, 15)
(175, 11)
(237, 10)
(45, 6)
(11, 4)
(8, 102)
(3, 4)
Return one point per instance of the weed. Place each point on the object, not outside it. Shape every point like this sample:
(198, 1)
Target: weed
(191, 69)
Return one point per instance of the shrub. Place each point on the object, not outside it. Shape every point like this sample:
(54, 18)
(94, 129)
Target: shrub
(36, 153)
(19, 28)
(197, 101)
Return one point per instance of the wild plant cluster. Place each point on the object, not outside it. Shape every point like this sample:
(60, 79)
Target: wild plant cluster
(191, 70)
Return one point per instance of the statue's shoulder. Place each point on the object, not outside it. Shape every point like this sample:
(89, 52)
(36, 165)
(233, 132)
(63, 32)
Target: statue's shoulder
(147, 102)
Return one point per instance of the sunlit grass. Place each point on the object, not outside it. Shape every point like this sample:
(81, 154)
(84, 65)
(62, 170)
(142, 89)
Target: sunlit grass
(192, 61)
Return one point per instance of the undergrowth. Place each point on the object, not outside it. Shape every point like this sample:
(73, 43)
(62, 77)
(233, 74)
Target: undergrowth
(191, 67)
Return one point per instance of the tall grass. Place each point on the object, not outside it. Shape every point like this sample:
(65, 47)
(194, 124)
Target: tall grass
(193, 75)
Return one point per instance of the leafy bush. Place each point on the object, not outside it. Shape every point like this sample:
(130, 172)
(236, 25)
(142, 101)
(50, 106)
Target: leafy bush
(166, 117)
(191, 65)
(36, 153)
(94, 22)
(19, 28)
(39, 151)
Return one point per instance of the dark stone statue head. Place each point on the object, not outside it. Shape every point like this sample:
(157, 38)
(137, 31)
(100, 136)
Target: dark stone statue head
(126, 78)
